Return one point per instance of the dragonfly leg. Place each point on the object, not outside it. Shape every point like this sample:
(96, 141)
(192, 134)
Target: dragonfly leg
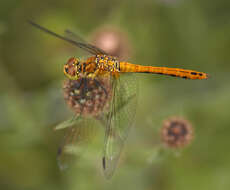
(78, 84)
(99, 85)
(85, 89)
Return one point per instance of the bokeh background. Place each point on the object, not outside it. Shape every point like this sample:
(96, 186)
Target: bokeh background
(193, 34)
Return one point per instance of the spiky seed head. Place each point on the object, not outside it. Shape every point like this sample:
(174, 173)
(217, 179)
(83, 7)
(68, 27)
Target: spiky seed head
(176, 132)
(86, 96)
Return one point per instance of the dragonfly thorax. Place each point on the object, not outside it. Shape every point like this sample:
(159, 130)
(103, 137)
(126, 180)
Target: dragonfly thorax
(107, 64)
(99, 65)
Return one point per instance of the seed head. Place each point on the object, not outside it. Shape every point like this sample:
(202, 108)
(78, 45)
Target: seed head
(176, 132)
(86, 96)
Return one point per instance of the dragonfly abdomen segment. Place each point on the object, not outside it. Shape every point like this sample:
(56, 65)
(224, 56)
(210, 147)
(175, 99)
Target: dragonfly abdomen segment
(175, 72)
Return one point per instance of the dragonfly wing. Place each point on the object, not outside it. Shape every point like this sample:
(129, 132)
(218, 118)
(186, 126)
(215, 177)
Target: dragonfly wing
(85, 46)
(75, 141)
(71, 35)
(119, 120)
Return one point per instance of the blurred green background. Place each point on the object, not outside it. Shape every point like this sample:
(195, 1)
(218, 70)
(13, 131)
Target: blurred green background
(193, 34)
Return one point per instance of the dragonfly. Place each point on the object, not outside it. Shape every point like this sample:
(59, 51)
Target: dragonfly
(120, 113)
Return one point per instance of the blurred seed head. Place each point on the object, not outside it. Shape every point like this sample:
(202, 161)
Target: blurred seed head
(176, 132)
(113, 41)
(86, 96)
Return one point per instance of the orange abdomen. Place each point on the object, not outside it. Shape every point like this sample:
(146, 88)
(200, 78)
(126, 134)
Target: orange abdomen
(175, 72)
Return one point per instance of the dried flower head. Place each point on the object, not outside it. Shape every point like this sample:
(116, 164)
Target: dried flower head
(113, 41)
(176, 132)
(86, 96)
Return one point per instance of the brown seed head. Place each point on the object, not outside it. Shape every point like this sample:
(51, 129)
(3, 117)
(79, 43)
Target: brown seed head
(86, 96)
(176, 132)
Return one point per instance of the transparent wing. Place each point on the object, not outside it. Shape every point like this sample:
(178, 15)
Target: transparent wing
(73, 36)
(119, 120)
(78, 133)
(85, 46)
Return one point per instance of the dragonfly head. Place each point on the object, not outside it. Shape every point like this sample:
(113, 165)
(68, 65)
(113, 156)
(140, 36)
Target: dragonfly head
(72, 68)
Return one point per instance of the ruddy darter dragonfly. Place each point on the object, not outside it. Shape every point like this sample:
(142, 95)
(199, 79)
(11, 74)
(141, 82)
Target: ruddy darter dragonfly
(122, 104)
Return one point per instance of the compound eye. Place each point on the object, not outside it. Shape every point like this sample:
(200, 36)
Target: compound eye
(72, 62)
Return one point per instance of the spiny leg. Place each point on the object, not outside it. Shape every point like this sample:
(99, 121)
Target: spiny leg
(78, 84)
(100, 85)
